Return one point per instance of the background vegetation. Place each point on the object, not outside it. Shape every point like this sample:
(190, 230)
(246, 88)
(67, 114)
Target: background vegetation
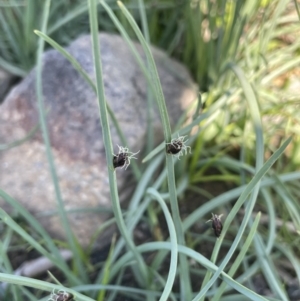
(244, 55)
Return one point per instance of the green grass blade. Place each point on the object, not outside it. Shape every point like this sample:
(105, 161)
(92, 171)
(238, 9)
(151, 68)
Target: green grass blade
(290, 203)
(107, 267)
(267, 265)
(241, 200)
(293, 258)
(126, 37)
(74, 13)
(42, 115)
(255, 115)
(173, 240)
(5, 262)
(11, 68)
(14, 226)
(230, 195)
(69, 57)
(239, 258)
(9, 29)
(39, 284)
(203, 261)
(282, 69)
(269, 270)
(60, 262)
(268, 32)
(153, 74)
(185, 283)
(297, 8)
(136, 210)
(119, 288)
(28, 28)
(150, 111)
(108, 143)
(272, 219)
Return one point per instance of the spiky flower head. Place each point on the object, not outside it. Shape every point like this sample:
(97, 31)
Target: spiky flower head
(178, 146)
(122, 159)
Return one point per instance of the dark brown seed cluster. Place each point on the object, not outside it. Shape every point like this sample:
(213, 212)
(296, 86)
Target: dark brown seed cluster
(216, 224)
(178, 147)
(120, 160)
(174, 147)
(64, 296)
(61, 296)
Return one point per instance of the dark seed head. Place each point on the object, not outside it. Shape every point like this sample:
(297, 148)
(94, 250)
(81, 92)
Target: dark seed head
(64, 296)
(174, 147)
(216, 224)
(120, 160)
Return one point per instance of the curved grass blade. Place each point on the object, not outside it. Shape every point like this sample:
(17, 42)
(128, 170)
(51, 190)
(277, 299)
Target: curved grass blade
(150, 247)
(185, 283)
(239, 258)
(52, 256)
(108, 143)
(174, 248)
(39, 284)
(241, 200)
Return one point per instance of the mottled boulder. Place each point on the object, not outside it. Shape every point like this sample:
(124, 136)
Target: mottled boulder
(6, 81)
(75, 131)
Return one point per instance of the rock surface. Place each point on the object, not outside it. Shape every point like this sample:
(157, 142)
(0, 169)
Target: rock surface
(75, 131)
(6, 81)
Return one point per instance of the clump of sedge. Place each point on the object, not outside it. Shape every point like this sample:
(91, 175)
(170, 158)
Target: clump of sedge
(61, 296)
(177, 146)
(122, 159)
(216, 224)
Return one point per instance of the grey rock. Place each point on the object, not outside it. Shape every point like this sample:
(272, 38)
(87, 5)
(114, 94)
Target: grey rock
(75, 131)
